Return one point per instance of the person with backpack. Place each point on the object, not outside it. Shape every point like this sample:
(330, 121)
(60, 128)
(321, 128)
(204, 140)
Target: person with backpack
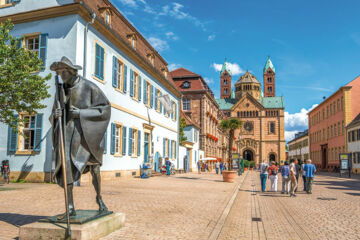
(285, 173)
(303, 173)
(273, 171)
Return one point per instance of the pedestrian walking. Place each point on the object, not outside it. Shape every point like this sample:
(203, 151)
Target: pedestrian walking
(199, 167)
(303, 174)
(273, 171)
(293, 177)
(206, 167)
(217, 166)
(221, 167)
(310, 171)
(263, 175)
(285, 173)
(168, 164)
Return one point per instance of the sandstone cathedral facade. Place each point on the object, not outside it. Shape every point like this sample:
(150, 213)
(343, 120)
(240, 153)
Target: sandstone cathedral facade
(262, 135)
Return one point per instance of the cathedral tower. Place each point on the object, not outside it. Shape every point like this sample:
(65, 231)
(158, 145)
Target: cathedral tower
(269, 79)
(225, 81)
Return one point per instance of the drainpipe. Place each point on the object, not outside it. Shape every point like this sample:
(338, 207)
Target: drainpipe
(93, 16)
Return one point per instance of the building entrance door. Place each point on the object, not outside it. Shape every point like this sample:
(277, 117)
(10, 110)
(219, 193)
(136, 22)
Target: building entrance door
(248, 155)
(146, 146)
(272, 157)
(324, 156)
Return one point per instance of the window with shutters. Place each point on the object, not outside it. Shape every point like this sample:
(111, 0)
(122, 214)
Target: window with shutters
(26, 139)
(118, 74)
(99, 63)
(137, 87)
(173, 114)
(173, 150)
(134, 142)
(118, 139)
(36, 42)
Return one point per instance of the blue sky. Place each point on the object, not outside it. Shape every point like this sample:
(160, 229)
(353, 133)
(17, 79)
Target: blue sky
(314, 45)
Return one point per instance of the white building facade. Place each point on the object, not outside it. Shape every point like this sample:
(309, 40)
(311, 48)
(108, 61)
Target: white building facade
(353, 143)
(128, 70)
(189, 152)
(299, 146)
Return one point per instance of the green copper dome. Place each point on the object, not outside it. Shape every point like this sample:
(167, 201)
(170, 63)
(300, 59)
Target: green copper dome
(268, 65)
(225, 67)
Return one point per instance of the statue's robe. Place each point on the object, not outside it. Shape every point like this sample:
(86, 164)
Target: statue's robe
(83, 136)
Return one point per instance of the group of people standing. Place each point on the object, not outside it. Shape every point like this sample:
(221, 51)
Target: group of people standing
(219, 167)
(290, 176)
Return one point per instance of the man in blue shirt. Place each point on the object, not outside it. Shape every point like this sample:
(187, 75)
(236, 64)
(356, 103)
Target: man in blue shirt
(285, 172)
(310, 171)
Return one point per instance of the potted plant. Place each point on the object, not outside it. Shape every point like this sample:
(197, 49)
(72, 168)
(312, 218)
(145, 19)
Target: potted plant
(251, 164)
(246, 165)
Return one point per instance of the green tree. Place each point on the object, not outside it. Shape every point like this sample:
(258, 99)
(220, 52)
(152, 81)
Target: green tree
(21, 87)
(230, 125)
(182, 125)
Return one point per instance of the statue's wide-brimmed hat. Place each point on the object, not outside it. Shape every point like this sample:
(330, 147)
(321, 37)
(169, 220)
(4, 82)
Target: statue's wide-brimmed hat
(64, 63)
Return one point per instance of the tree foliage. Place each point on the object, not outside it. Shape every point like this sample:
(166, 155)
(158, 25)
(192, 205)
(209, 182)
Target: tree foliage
(21, 87)
(182, 124)
(230, 125)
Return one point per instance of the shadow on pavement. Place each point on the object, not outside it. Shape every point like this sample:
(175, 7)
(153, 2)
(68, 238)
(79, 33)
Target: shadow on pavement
(19, 219)
(353, 194)
(353, 185)
(204, 179)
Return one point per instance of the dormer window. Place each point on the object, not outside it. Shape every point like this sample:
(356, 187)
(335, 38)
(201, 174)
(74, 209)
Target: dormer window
(105, 12)
(151, 58)
(185, 85)
(132, 38)
(164, 70)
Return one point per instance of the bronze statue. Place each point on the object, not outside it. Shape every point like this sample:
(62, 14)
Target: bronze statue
(84, 113)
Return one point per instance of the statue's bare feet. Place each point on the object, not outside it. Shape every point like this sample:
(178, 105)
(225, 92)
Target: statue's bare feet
(102, 206)
(72, 213)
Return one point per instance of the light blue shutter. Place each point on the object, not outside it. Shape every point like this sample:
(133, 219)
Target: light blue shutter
(145, 91)
(139, 143)
(161, 106)
(112, 144)
(139, 84)
(152, 96)
(105, 142)
(124, 141)
(115, 73)
(12, 138)
(171, 148)
(125, 79)
(42, 48)
(130, 141)
(156, 99)
(131, 83)
(176, 111)
(164, 149)
(172, 114)
(102, 63)
(38, 132)
(168, 147)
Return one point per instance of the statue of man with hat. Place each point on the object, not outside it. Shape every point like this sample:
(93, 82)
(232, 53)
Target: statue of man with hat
(85, 115)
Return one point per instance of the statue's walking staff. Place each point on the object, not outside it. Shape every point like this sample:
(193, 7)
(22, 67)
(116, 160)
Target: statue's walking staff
(61, 149)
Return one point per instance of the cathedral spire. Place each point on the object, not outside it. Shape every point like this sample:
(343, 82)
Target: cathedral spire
(268, 65)
(225, 67)
(225, 81)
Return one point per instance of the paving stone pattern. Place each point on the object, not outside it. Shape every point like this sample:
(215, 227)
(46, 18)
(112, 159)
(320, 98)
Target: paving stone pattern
(188, 206)
(185, 206)
(303, 217)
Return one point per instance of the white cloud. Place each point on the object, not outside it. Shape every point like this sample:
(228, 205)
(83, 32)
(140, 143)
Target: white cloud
(211, 37)
(234, 68)
(290, 135)
(159, 44)
(297, 120)
(208, 80)
(175, 10)
(171, 35)
(130, 3)
(173, 66)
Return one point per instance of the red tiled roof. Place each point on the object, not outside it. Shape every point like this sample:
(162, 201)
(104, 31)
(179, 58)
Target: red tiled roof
(182, 73)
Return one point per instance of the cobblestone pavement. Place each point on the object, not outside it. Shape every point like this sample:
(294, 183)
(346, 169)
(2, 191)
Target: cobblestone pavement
(304, 217)
(184, 206)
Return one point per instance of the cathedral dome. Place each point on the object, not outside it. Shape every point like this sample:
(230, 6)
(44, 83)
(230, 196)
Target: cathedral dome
(247, 78)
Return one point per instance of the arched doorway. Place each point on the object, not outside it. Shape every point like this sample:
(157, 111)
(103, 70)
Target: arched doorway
(272, 157)
(248, 155)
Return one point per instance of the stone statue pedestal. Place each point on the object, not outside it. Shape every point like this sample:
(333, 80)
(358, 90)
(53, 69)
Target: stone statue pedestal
(87, 224)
